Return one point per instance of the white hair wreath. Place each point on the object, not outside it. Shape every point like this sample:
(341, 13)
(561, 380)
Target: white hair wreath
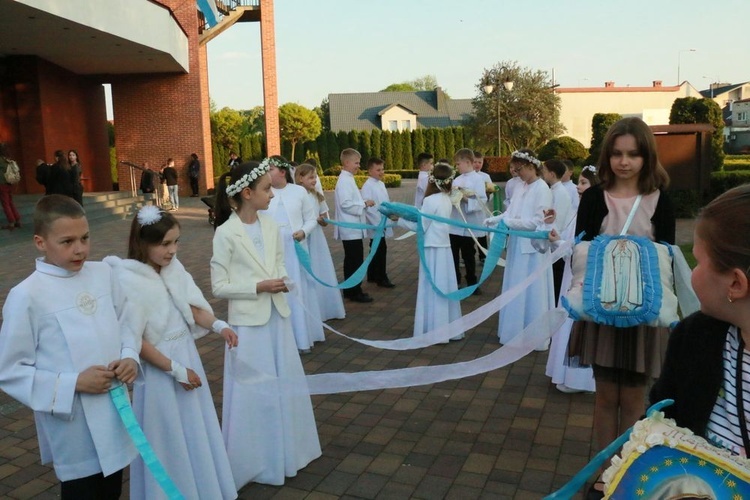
(589, 167)
(526, 156)
(249, 177)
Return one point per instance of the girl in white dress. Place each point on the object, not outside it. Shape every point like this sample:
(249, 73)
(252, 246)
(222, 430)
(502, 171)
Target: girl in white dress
(329, 299)
(526, 212)
(296, 216)
(432, 310)
(570, 378)
(268, 422)
(163, 307)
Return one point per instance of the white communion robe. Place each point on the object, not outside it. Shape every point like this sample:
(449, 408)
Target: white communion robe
(181, 425)
(330, 302)
(56, 324)
(293, 210)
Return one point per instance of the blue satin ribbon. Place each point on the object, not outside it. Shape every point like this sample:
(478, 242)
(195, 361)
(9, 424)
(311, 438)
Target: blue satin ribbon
(411, 213)
(575, 484)
(121, 401)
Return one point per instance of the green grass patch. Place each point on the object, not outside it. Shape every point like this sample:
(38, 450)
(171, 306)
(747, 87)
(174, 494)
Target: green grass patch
(687, 250)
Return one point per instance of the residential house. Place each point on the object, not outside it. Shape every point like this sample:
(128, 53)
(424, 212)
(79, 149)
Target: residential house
(397, 111)
(652, 104)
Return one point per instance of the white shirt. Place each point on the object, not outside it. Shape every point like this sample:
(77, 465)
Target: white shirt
(435, 233)
(350, 207)
(510, 188)
(561, 204)
(472, 208)
(572, 190)
(375, 190)
(422, 180)
(526, 211)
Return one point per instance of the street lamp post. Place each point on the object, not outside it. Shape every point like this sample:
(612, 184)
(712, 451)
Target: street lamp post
(508, 86)
(679, 55)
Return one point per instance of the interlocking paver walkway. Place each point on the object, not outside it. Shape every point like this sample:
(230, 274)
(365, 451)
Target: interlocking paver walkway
(505, 434)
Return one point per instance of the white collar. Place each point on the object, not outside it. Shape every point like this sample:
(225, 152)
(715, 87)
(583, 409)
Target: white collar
(53, 270)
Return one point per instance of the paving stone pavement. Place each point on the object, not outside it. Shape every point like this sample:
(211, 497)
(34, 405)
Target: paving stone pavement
(505, 434)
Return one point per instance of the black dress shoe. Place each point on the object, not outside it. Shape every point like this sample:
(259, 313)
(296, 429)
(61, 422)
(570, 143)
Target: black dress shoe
(386, 284)
(362, 298)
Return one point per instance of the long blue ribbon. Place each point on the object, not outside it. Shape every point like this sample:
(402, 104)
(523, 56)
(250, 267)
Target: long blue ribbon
(411, 213)
(122, 403)
(575, 484)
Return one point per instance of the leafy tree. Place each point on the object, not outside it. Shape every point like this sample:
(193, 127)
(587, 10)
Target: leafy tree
(255, 120)
(298, 124)
(376, 143)
(564, 148)
(400, 87)
(694, 110)
(226, 125)
(397, 146)
(418, 139)
(600, 123)
(407, 156)
(529, 113)
(111, 134)
(324, 112)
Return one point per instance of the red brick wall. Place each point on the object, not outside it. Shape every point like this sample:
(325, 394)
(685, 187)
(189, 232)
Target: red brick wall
(166, 115)
(44, 108)
(270, 90)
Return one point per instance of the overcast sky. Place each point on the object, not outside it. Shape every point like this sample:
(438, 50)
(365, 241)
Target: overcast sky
(334, 46)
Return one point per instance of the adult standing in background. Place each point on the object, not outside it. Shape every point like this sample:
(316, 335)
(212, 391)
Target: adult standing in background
(6, 192)
(170, 177)
(60, 177)
(234, 160)
(194, 170)
(75, 173)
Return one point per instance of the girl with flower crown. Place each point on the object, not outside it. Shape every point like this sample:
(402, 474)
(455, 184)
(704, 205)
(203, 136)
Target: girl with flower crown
(166, 311)
(525, 212)
(268, 422)
(432, 310)
(297, 217)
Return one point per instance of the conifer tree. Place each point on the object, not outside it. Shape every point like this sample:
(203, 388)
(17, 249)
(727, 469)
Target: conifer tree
(418, 145)
(407, 161)
(397, 146)
(376, 143)
(440, 151)
(387, 139)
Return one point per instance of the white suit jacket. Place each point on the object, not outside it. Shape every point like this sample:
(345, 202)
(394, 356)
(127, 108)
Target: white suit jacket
(56, 324)
(300, 210)
(237, 267)
(350, 207)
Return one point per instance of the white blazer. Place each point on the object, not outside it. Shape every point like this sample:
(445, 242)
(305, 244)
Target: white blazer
(237, 267)
(350, 207)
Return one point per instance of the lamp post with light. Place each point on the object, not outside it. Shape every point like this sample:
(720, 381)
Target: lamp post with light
(508, 86)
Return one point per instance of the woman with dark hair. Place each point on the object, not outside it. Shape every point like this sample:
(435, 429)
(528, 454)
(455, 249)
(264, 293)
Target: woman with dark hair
(60, 178)
(75, 174)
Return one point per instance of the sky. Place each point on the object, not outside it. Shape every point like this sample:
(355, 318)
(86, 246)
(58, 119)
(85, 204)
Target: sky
(341, 46)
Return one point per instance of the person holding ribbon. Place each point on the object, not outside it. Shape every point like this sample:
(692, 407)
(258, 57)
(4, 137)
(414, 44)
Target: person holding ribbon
(268, 422)
(165, 310)
(526, 212)
(62, 350)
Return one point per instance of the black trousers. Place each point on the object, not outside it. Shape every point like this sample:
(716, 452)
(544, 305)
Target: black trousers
(463, 248)
(353, 258)
(558, 268)
(96, 487)
(376, 270)
(483, 242)
(194, 185)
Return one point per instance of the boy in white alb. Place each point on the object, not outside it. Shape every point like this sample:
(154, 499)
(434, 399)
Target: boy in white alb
(570, 186)
(374, 189)
(350, 207)
(474, 198)
(478, 164)
(424, 165)
(552, 172)
(62, 349)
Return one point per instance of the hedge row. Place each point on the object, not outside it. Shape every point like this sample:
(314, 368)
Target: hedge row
(329, 181)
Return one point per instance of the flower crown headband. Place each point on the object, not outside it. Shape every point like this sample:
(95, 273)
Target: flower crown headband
(441, 182)
(251, 176)
(149, 214)
(526, 156)
(589, 167)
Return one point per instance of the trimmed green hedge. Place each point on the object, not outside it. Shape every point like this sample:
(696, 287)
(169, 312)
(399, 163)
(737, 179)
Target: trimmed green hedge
(736, 163)
(329, 181)
(724, 181)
